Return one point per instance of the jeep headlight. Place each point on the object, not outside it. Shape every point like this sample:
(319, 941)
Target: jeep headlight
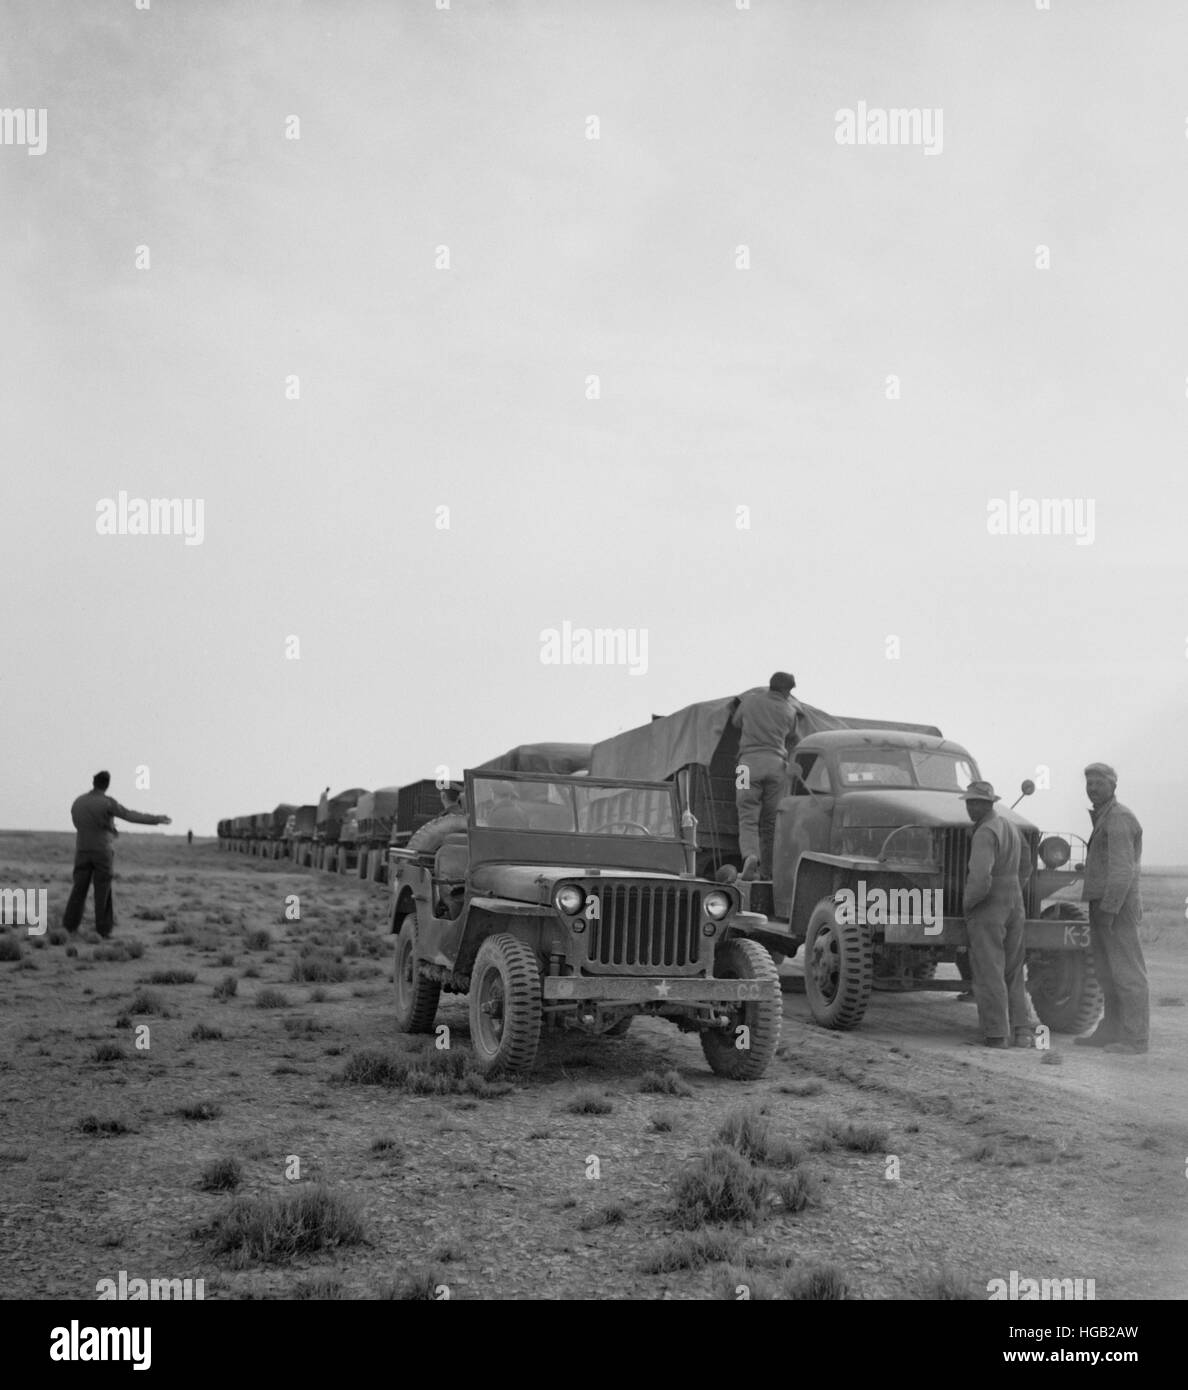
(716, 905)
(569, 899)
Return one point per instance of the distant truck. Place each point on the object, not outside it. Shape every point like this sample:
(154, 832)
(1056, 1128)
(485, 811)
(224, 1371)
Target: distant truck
(870, 831)
(571, 902)
(328, 825)
(375, 817)
(299, 835)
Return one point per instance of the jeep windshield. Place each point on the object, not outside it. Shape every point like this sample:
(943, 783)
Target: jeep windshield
(932, 769)
(564, 806)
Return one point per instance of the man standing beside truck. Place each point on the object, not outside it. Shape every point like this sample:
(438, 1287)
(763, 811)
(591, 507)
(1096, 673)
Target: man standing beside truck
(994, 917)
(766, 720)
(1112, 867)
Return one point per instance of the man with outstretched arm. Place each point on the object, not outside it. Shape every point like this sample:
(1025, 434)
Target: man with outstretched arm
(94, 815)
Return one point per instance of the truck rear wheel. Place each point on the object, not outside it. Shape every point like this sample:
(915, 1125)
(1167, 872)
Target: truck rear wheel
(838, 968)
(741, 959)
(416, 998)
(1063, 985)
(505, 1005)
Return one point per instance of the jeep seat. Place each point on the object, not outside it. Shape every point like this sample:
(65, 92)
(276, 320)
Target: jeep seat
(453, 859)
(543, 815)
(449, 874)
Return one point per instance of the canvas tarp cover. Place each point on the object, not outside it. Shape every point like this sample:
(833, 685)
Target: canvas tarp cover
(377, 805)
(656, 751)
(560, 759)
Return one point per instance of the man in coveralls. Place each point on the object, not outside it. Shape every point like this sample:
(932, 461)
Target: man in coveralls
(994, 918)
(1111, 889)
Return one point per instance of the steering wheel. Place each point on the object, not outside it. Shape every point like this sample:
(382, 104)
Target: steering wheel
(635, 825)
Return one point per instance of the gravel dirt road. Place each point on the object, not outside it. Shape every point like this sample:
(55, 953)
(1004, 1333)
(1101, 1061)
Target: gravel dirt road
(934, 1166)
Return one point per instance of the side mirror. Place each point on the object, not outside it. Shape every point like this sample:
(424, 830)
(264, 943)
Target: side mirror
(1027, 787)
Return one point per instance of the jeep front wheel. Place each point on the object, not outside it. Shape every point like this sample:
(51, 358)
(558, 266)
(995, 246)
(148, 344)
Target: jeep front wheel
(762, 1018)
(505, 1006)
(838, 968)
(416, 998)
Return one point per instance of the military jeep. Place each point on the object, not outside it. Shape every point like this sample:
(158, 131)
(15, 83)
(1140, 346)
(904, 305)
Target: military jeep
(570, 903)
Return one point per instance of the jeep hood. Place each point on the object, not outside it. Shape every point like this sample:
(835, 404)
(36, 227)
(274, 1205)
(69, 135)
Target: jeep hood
(911, 805)
(533, 883)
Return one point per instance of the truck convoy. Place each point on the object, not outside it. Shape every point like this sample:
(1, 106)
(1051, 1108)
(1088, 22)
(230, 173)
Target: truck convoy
(597, 882)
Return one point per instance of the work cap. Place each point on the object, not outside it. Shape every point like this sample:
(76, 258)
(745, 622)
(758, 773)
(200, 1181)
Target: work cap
(1103, 770)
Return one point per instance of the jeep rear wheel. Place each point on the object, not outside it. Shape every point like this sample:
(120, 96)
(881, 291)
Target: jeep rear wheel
(416, 998)
(838, 968)
(1063, 985)
(763, 1017)
(505, 1006)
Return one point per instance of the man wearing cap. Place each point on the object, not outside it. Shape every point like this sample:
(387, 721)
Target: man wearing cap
(994, 917)
(766, 720)
(1112, 867)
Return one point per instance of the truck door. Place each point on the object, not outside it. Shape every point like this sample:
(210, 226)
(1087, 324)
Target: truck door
(804, 822)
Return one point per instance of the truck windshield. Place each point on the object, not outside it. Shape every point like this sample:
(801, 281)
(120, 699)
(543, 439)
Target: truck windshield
(582, 808)
(931, 769)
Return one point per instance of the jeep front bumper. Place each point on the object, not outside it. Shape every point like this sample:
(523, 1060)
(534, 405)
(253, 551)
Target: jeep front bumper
(639, 989)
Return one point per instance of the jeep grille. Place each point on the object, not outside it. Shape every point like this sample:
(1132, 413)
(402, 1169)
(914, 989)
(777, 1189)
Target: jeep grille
(644, 929)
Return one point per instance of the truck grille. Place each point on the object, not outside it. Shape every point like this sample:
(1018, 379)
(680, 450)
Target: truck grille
(645, 929)
(954, 865)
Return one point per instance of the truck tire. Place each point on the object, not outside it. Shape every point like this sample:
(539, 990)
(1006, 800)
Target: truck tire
(416, 998)
(838, 968)
(505, 1005)
(741, 959)
(1063, 985)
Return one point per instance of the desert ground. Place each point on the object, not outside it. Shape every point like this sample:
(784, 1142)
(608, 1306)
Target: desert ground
(219, 1093)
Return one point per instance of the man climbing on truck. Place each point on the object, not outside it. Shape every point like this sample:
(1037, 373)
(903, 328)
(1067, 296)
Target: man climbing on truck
(766, 720)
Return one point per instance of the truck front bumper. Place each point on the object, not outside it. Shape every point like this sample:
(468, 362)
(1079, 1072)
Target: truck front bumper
(1047, 935)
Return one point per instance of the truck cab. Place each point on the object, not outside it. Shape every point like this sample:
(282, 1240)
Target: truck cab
(870, 853)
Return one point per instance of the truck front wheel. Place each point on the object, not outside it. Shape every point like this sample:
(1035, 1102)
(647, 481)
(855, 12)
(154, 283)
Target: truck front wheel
(762, 1018)
(838, 968)
(1063, 985)
(505, 1006)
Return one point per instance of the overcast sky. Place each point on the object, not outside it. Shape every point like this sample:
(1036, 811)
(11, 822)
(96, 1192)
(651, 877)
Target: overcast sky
(719, 387)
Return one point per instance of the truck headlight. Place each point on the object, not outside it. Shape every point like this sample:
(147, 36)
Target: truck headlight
(1055, 852)
(716, 905)
(569, 900)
